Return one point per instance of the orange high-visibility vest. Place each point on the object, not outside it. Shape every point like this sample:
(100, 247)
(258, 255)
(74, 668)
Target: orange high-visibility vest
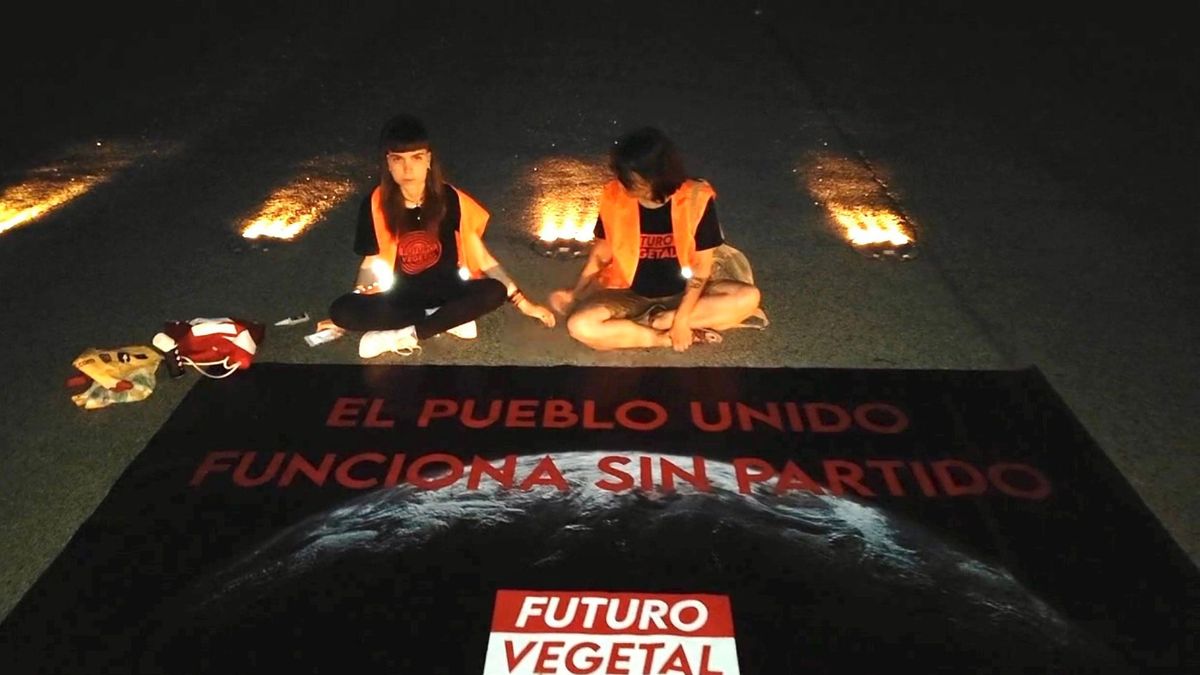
(623, 228)
(472, 218)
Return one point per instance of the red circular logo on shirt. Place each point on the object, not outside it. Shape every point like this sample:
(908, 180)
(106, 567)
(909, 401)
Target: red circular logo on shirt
(417, 251)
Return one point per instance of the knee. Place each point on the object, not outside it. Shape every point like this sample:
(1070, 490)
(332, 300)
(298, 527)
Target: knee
(340, 311)
(583, 327)
(750, 297)
(494, 293)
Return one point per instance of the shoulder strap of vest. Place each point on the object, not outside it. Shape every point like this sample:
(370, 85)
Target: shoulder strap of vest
(621, 218)
(473, 219)
(383, 235)
(687, 208)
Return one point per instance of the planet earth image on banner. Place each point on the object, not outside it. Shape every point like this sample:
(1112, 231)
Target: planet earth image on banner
(406, 578)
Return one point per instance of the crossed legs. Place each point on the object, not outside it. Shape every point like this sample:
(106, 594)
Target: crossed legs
(604, 326)
(459, 304)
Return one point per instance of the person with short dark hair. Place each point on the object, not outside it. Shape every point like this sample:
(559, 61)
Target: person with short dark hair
(648, 280)
(425, 268)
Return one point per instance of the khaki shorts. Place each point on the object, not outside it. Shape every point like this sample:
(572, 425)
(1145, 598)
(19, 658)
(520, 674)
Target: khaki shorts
(625, 304)
(729, 264)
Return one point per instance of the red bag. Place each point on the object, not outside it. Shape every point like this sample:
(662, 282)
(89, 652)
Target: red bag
(214, 347)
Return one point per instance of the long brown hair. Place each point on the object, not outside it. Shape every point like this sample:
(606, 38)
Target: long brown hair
(405, 133)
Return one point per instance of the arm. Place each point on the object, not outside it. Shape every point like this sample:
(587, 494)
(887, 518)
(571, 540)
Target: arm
(681, 328)
(366, 244)
(599, 258)
(491, 267)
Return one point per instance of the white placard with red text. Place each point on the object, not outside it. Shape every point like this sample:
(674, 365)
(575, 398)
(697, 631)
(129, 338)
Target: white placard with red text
(587, 632)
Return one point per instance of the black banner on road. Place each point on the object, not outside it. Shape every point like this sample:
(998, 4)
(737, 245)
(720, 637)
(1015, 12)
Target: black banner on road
(638, 521)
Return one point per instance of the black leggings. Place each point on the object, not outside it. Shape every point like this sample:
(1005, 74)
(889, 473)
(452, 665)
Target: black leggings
(405, 305)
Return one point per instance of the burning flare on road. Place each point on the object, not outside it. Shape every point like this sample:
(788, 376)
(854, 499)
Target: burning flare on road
(48, 187)
(27, 201)
(566, 197)
(292, 209)
(869, 227)
(860, 205)
(565, 220)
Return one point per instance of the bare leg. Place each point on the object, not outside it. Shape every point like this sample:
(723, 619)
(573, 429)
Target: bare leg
(595, 327)
(724, 304)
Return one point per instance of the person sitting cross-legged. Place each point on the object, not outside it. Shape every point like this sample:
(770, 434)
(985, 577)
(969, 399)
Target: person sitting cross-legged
(424, 238)
(647, 282)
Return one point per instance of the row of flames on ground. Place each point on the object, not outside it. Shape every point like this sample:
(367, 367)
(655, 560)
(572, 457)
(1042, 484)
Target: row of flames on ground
(291, 210)
(563, 209)
(562, 212)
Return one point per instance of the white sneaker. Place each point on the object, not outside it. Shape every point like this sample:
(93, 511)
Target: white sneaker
(464, 331)
(402, 341)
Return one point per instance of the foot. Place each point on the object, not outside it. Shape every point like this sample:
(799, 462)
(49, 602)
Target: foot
(375, 342)
(465, 331)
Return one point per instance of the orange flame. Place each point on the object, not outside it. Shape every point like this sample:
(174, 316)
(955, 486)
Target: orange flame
(566, 198)
(292, 209)
(27, 201)
(857, 201)
(565, 221)
(72, 175)
(865, 227)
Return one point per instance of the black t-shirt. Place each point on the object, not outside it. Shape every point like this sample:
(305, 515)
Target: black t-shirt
(658, 271)
(420, 256)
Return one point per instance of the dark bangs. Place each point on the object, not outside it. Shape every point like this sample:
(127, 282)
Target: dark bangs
(403, 133)
(648, 153)
(404, 146)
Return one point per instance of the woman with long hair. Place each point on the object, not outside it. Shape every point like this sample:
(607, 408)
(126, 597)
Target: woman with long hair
(425, 269)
